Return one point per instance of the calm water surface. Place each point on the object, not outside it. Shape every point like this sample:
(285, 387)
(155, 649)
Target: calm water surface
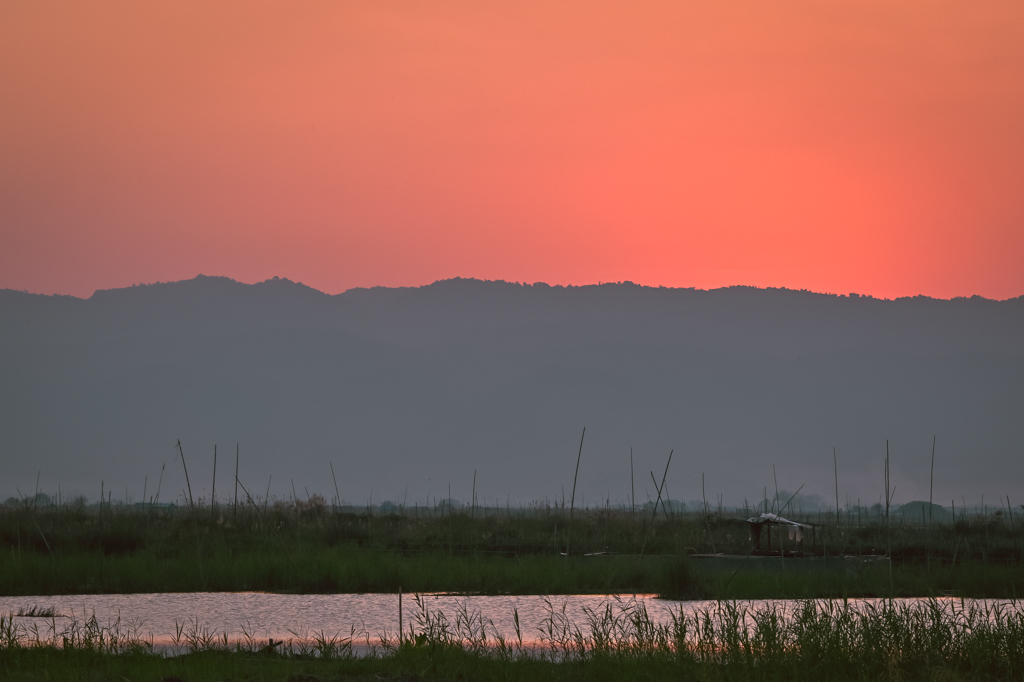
(298, 617)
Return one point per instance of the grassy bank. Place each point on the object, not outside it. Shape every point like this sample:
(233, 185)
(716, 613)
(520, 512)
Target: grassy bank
(308, 547)
(831, 641)
(330, 570)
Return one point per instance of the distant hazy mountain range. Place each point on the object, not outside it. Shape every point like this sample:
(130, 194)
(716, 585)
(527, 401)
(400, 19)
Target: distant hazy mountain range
(407, 390)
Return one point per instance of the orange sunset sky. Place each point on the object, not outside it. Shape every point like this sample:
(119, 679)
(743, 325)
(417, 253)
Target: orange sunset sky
(874, 146)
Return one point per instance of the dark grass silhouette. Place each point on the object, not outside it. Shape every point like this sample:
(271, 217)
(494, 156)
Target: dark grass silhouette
(725, 641)
(306, 546)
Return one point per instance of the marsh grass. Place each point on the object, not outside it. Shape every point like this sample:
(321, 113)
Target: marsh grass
(38, 612)
(306, 546)
(728, 640)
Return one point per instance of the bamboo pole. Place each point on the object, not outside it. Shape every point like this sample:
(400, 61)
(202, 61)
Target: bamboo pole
(775, 504)
(632, 489)
(234, 505)
(888, 499)
(931, 485)
(835, 467)
(182, 453)
(647, 534)
(572, 502)
(337, 495)
(213, 488)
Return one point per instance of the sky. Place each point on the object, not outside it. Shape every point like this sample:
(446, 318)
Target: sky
(873, 146)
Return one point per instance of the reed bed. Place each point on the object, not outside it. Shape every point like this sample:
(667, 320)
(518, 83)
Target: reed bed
(311, 546)
(729, 640)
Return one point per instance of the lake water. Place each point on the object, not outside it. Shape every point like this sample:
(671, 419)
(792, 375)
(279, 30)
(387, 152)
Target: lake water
(364, 617)
(298, 616)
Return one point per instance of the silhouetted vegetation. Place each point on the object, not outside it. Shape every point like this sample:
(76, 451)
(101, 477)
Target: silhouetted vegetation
(832, 640)
(308, 546)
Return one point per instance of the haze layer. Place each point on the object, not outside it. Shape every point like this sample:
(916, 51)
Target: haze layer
(408, 390)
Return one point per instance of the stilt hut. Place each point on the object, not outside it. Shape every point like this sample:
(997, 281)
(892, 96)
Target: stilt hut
(761, 533)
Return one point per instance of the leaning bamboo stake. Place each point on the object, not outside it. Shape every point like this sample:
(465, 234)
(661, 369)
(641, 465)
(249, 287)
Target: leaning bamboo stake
(791, 499)
(271, 526)
(182, 453)
(658, 488)
(234, 504)
(648, 533)
(888, 499)
(213, 489)
(159, 485)
(632, 489)
(31, 513)
(195, 527)
(835, 468)
(707, 516)
(45, 542)
(775, 504)
(704, 495)
(632, 499)
(337, 495)
(572, 503)
(931, 485)
(931, 490)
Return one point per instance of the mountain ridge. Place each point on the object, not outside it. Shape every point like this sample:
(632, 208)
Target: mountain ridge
(421, 384)
(202, 279)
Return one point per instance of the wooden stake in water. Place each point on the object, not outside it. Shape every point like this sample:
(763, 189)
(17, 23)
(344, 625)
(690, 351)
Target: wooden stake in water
(658, 489)
(931, 485)
(572, 502)
(264, 520)
(234, 505)
(401, 627)
(835, 467)
(159, 484)
(888, 499)
(775, 504)
(931, 490)
(337, 495)
(632, 488)
(213, 489)
(663, 477)
(182, 453)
